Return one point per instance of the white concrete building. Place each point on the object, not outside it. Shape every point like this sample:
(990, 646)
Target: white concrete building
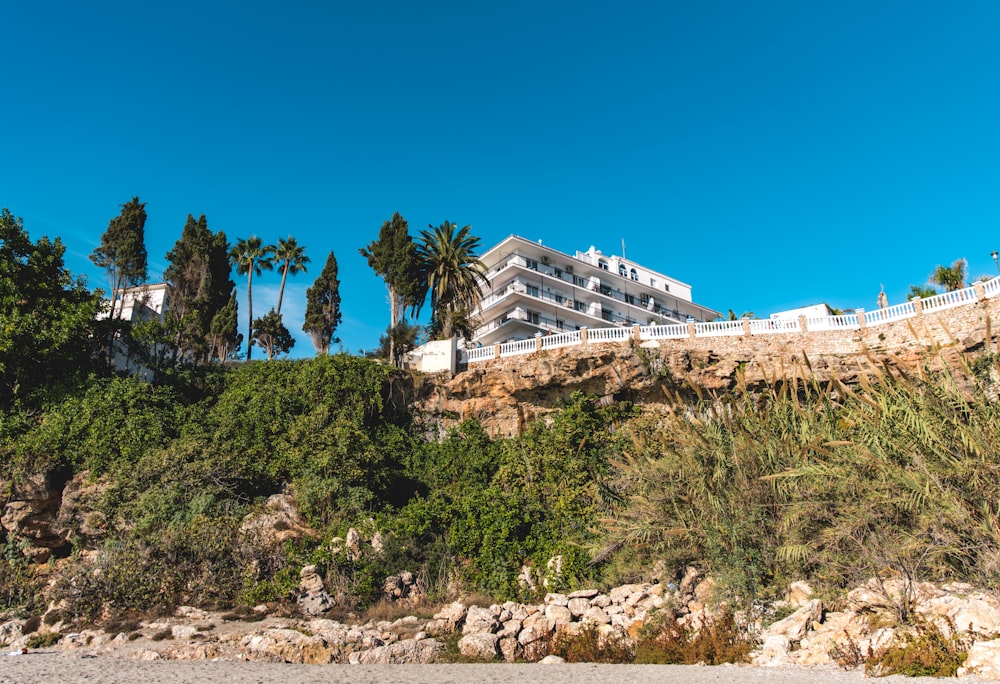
(137, 304)
(536, 289)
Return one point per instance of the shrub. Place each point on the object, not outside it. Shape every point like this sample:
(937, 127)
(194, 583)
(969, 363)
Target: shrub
(43, 639)
(720, 640)
(588, 646)
(926, 651)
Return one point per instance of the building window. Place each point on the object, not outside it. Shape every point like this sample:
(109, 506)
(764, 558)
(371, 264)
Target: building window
(666, 286)
(579, 306)
(559, 273)
(621, 270)
(603, 264)
(630, 299)
(579, 282)
(652, 282)
(533, 317)
(559, 324)
(532, 264)
(559, 298)
(606, 315)
(634, 275)
(532, 291)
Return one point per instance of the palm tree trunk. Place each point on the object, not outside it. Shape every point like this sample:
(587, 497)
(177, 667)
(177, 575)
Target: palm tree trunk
(281, 290)
(250, 312)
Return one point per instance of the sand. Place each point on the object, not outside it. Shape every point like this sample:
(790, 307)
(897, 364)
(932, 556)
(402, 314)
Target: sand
(61, 667)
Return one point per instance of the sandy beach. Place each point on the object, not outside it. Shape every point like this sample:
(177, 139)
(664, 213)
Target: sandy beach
(33, 668)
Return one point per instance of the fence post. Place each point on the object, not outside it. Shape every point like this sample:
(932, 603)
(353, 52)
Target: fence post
(636, 334)
(496, 350)
(538, 341)
(583, 335)
(861, 318)
(803, 323)
(980, 291)
(918, 305)
(691, 330)
(746, 327)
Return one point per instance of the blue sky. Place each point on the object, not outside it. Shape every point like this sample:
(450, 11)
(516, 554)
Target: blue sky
(772, 154)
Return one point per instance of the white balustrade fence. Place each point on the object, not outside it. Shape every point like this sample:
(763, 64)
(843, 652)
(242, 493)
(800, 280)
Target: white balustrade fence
(770, 326)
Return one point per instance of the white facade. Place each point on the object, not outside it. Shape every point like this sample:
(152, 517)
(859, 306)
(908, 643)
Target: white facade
(536, 289)
(142, 303)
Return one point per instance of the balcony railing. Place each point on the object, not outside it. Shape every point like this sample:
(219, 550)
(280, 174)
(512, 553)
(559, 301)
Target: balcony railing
(771, 326)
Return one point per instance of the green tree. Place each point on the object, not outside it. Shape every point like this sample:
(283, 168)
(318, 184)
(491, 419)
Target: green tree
(394, 258)
(122, 252)
(47, 316)
(921, 291)
(323, 307)
(293, 260)
(952, 277)
(200, 288)
(223, 337)
(453, 273)
(270, 333)
(250, 257)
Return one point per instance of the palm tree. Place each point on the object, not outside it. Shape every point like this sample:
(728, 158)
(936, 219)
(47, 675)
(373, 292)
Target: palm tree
(293, 260)
(251, 256)
(453, 271)
(952, 277)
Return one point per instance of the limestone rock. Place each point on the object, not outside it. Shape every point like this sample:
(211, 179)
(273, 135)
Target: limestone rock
(405, 652)
(313, 598)
(286, 646)
(278, 522)
(481, 645)
(795, 626)
(479, 620)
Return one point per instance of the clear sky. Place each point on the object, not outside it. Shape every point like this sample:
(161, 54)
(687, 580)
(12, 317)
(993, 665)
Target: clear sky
(772, 154)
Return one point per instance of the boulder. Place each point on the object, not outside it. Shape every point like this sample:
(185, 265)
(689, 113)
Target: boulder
(313, 598)
(286, 646)
(983, 660)
(277, 522)
(578, 606)
(795, 626)
(558, 616)
(405, 652)
(480, 620)
(481, 646)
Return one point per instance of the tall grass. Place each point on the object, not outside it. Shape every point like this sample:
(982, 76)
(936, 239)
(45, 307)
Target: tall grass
(897, 475)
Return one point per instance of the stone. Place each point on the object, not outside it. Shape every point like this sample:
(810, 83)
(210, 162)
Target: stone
(552, 660)
(405, 652)
(510, 649)
(597, 616)
(481, 645)
(353, 543)
(983, 660)
(556, 599)
(182, 632)
(277, 522)
(798, 594)
(287, 646)
(479, 620)
(773, 651)
(795, 626)
(535, 627)
(584, 594)
(313, 598)
(578, 606)
(558, 616)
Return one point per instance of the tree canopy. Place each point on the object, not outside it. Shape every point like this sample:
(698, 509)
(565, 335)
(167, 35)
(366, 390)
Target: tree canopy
(47, 316)
(323, 307)
(393, 256)
(122, 252)
(453, 276)
(251, 257)
(291, 256)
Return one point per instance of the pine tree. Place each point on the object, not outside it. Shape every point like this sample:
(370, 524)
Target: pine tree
(394, 257)
(122, 252)
(323, 307)
(200, 287)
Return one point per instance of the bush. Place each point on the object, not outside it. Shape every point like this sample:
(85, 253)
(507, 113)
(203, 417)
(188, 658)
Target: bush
(720, 640)
(588, 646)
(923, 652)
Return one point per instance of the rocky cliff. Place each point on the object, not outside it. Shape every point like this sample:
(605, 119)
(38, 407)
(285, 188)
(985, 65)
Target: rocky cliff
(505, 394)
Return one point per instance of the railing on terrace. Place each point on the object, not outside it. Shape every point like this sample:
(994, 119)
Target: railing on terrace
(853, 321)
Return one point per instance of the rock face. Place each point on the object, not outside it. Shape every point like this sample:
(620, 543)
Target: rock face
(507, 394)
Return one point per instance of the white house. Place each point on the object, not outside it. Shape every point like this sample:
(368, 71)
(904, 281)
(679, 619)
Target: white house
(536, 289)
(136, 304)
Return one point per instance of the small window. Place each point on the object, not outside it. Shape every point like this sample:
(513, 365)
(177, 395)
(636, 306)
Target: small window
(579, 306)
(559, 324)
(579, 282)
(532, 291)
(652, 282)
(532, 264)
(603, 264)
(634, 275)
(666, 286)
(621, 270)
(533, 317)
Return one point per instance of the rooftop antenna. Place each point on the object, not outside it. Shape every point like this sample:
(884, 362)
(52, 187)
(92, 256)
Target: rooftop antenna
(623, 248)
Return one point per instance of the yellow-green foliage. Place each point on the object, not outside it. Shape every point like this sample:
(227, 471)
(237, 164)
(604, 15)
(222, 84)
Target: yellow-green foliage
(820, 480)
(924, 652)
